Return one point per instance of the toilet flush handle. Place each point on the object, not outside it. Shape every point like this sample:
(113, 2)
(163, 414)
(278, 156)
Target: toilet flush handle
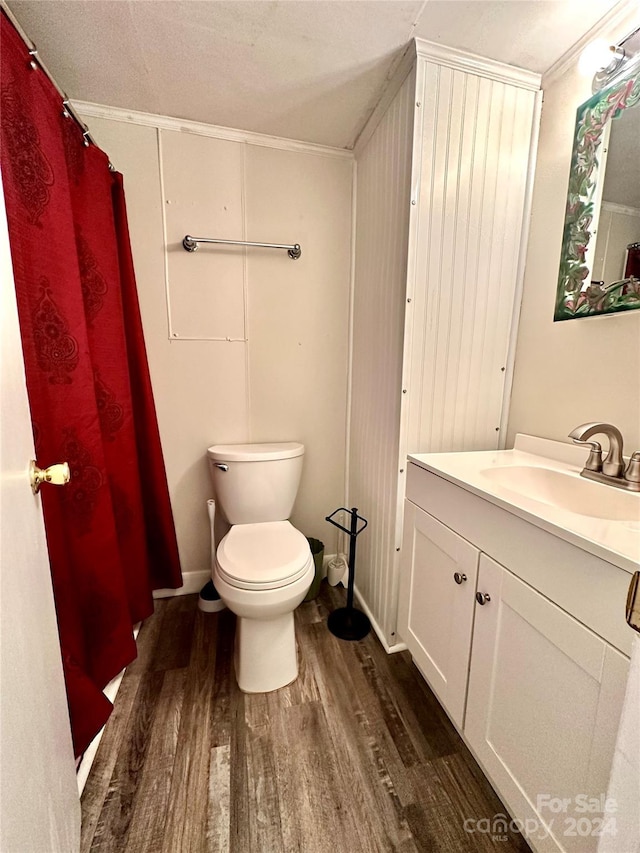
(221, 466)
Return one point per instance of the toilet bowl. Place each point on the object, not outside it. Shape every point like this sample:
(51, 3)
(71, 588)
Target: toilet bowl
(264, 566)
(259, 581)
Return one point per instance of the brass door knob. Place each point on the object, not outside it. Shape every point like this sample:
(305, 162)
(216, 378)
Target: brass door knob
(57, 475)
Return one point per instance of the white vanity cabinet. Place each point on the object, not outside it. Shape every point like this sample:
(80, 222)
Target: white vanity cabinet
(533, 670)
(544, 701)
(437, 604)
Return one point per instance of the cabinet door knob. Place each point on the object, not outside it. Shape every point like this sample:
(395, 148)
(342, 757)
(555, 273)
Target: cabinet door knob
(459, 578)
(482, 597)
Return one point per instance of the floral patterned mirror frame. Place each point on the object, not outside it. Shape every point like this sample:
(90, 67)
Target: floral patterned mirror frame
(575, 297)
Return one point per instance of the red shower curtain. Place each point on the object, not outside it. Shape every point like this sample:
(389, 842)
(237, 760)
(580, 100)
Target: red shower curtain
(110, 531)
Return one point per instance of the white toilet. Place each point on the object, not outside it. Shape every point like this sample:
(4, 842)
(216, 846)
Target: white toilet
(263, 567)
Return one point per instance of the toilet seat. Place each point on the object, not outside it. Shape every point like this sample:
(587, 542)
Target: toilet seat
(266, 555)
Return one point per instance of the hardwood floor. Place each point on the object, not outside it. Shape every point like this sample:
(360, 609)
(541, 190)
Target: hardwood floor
(356, 755)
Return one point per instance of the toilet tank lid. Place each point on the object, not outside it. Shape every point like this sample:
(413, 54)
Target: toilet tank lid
(255, 452)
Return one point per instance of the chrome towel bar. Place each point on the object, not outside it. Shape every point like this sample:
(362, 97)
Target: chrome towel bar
(191, 244)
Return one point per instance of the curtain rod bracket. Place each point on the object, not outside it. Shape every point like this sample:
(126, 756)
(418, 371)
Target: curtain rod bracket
(38, 65)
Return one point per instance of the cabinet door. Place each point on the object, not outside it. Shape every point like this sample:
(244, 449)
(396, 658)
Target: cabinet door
(436, 612)
(545, 695)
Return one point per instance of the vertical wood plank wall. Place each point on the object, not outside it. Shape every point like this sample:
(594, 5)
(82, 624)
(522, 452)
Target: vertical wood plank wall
(476, 140)
(382, 223)
(440, 218)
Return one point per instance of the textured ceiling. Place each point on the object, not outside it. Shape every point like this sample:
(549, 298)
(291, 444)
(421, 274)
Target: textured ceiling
(303, 69)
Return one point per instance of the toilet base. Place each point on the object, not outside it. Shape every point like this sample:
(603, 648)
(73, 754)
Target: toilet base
(265, 653)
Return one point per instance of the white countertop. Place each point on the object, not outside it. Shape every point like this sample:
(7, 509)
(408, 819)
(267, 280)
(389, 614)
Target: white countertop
(617, 541)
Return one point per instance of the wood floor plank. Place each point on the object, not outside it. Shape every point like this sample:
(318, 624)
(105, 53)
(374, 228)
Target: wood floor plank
(375, 703)
(173, 647)
(385, 727)
(257, 708)
(240, 815)
(96, 787)
(189, 793)
(314, 794)
(428, 725)
(474, 800)
(146, 829)
(435, 831)
(115, 734)
(435, 821)
(265, 831)
(386, 703)
(117, 809)
(353, 738)
(225, 693)
(304, 688)
(356, 756)
(219, 800)
(147, 641)
(309, 613)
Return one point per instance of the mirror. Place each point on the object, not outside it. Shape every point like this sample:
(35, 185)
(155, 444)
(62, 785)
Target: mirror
(600, 261)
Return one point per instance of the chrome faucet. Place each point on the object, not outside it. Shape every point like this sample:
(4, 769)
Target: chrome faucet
(611, 470)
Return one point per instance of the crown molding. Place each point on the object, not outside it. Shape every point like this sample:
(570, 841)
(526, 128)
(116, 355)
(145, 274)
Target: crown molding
(615, 17)
(461, 60)
(198, 128)
(451, 58)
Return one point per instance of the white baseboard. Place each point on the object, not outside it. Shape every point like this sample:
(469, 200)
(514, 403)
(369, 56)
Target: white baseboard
(390, 650)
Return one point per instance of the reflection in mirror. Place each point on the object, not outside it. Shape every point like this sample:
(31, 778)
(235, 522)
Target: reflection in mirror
(617, 230)
(600, 263)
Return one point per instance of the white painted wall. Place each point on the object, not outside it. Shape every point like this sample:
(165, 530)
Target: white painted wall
(298, 318)
(577, 370)
(283, 375)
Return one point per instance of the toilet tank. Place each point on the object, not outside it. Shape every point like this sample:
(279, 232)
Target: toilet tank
(256, 482)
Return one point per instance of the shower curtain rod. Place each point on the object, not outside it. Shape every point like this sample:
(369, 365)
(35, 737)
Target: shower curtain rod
(190, 244)
(36, 62)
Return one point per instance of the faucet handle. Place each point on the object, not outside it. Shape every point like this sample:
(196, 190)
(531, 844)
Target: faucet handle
(632, 474)
(594, 462)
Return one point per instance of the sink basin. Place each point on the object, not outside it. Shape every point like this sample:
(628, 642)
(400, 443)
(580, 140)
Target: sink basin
(567, 491)
(539, 481)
